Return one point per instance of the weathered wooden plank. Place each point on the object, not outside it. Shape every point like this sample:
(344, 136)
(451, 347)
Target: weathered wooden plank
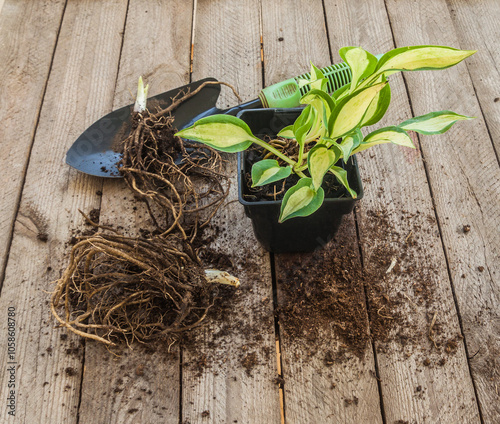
(79, 91)
(476, 25)
(396, 221)
(236, 384)
(28, 34)
(324, 386)
(141, 384)
(328, 363)
(460, 192)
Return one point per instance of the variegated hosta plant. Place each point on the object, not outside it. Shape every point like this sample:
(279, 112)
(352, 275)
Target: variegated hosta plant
(329, 127)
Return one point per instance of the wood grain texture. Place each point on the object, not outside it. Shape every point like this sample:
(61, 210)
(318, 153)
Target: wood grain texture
(397, 198)
(28, 34)
(227, 46)
(476, 25)
(325, 380)
(465, 181)
(141, 385)
(80, 90)
(294, 33)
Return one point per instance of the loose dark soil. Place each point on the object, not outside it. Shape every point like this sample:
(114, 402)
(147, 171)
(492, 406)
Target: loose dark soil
(320, 294)
(331, 306)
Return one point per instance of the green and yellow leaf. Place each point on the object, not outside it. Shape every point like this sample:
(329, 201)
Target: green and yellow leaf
(287, 132)
(301, 200)
(222, 132)
(319, 160)
(395, 135)
(341, 175)
(361, 62)
(268, 171)
(378, 106)
(350, 111)
(318, 80)
(434, 122)
(420, 58)
(349, 143)
(302, 121)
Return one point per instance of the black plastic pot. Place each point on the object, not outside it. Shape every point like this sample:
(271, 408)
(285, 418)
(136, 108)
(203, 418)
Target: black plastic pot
(303, 234)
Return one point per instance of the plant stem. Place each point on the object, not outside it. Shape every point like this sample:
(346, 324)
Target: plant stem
(301, 154)
(274, 151)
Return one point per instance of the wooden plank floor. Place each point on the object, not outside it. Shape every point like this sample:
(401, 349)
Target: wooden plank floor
(65, 63)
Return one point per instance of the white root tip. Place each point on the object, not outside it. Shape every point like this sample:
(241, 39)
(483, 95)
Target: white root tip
(221, 277)
(391, 266)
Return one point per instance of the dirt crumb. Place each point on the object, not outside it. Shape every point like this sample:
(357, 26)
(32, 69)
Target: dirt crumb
(353, 401)
(43, 237)
(70, 371)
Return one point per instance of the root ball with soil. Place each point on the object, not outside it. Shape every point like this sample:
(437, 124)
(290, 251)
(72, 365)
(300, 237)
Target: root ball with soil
(120, 288)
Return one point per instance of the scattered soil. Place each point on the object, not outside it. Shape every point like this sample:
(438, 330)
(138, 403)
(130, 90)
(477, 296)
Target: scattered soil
(330, 305)
(43, 237)
(329, 295)
(321, 294)
(70, 371)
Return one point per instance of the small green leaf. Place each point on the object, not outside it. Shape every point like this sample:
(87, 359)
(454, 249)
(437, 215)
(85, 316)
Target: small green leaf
(378, 106)
(302, 133)
(319, 160)
(420, 58)
(303, 82)
(323, 104)
(318, 99)
(393, 135)
(361, 62)
(341, 175)
(222, 132)
(350, 142)
(268, 171)
(350, 111)
(287, 132)
(434, 122)
(301, 200)
(318, 80)
(316, 73)
(331, 144)
(302, 119)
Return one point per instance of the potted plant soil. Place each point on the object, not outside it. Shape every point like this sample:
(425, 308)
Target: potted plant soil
(306, 157)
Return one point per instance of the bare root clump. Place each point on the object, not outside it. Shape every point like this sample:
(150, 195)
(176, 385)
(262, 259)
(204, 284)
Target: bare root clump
(181, 182)
(118, 287)
(143, 289)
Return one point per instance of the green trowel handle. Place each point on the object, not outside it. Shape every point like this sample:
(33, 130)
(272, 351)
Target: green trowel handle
(287, 93)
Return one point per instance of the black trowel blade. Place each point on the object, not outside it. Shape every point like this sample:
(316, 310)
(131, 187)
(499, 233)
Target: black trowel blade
(97, 150)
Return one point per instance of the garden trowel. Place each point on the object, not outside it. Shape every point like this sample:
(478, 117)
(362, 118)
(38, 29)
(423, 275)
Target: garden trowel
(98, 150)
